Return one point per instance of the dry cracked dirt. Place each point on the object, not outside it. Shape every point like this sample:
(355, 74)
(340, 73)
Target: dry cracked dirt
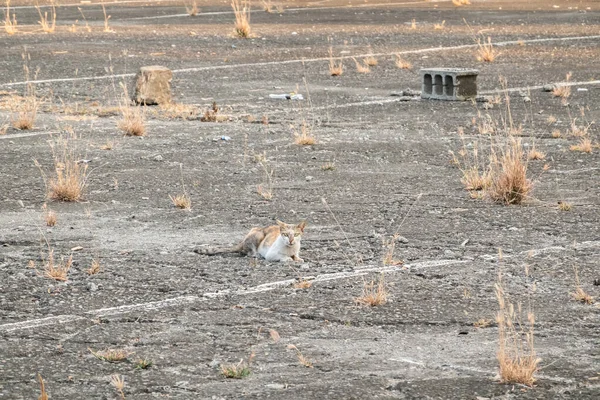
(381, 165)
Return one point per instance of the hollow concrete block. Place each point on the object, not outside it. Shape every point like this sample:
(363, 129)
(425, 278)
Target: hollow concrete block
(454, 84)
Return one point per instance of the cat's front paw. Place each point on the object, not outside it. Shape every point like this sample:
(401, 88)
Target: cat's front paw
(297, 259)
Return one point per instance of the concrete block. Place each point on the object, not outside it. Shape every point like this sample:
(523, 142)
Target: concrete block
(153, 85)
(454, 84)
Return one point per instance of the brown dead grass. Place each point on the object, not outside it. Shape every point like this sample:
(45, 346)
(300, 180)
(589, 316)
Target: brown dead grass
(485, 50)
(389, 246)
(374, 294)
(48, 24)
(360, 68)
(192, 9)
(564, 205)
(241, 10)
(107, 28)
(304, 136)
(94, 268)
(510, 184)
(118, 382)
(440, 26)
(516, 353)
(239, 370)
(459, 3)
(132, 122)
(563, 91)
(43, 395)
(402, 63)
(10, 25)
(534, 154)
(579, 294)
(370, 61)
(57, 270)
(50, 217)
(111, 355)
(301, 357)
(302, 284)
(482, 323)
(336, 68)
(181, 201)
(585, 145)
(69, 179)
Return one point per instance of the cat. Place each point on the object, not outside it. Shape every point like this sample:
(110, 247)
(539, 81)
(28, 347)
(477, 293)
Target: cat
(279, 242)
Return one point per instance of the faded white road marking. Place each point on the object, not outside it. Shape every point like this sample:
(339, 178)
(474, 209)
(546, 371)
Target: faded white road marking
(306, 60)
(28, 134)
(265, 287)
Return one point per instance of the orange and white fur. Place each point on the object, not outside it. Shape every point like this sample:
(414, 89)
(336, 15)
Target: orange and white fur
(279, 242)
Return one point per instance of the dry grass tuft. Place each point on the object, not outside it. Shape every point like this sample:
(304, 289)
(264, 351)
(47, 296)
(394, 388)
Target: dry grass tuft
(551, 119)
(482, 323)
(107, 28)
(111, 355)
(302, 284)
(370, 61)
(556, 134)
(10, 26)
(270, 7)
(301, 358)
(564, 91)
(265, 189)
(50, 217)
(57, 270)
(304, 137)
(401, 63)
(510, 184)
(439, 27)
(459, 3)
(182, 201)
(585, 145)
(564, 205)
(48, 26)
(109, 145)
(335, 67)
(236, 371)
(241, 9)
(24, 109)
(132, 123)
(178, 111)
(413, 24)
(43, 395)
(118, 381)
(192, 9)
(328, 166)
(361, 69)
(94, 268)
(516, 356)
(579, 294)
(534, 154)
(70, 175)
(486, 51)
(389, 246)
(211, 114)
(143, 364)
(373, 294)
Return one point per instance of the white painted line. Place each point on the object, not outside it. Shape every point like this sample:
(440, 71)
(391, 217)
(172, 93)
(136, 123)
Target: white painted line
(183, 300)
(201, 14)
(36, 323)
(106, 3)
(154, 305)
(27, 134)
(306, 60)
(537, 87)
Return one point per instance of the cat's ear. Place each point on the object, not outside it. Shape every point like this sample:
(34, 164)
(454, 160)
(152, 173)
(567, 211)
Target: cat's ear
(302, 225)
(281, 224)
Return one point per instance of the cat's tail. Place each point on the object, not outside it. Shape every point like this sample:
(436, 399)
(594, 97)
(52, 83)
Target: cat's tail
(212, 251)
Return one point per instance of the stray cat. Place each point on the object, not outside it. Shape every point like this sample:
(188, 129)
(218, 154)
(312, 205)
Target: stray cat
(279, 242)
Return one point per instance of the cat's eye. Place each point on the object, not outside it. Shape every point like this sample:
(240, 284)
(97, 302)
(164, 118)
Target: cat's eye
(296, 234)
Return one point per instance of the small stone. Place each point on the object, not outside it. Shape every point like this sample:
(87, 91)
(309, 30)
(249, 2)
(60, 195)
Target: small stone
(214, 364)
(92, 287)
(550, 87)
(157, 158)
(309, 178)
(526, 99)
(277, 386)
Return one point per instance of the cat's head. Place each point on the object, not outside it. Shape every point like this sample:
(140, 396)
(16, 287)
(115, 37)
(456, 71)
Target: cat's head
(291, 233)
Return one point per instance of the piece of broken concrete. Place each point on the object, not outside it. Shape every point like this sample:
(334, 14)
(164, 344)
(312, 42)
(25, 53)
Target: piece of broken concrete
(153, 85)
